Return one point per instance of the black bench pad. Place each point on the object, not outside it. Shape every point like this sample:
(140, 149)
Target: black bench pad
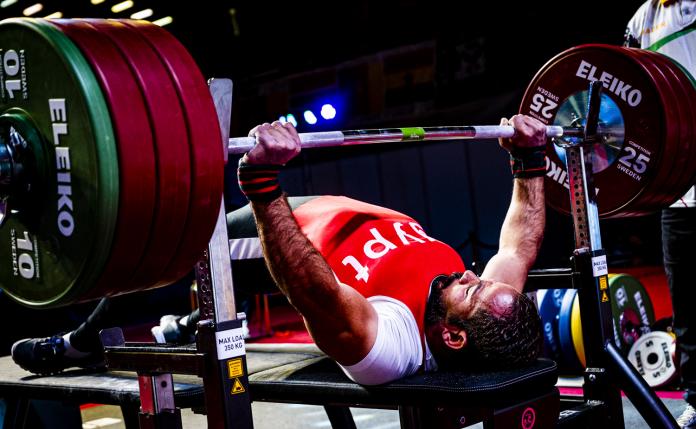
(291, 375)
(323, 382)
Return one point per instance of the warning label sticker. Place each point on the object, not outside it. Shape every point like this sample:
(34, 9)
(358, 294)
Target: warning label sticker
(230, 343)
(603, 283)
(605, 297)
(237, 387)
(235, 368)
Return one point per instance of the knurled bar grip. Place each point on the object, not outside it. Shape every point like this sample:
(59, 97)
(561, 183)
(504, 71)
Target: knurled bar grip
(238, 145)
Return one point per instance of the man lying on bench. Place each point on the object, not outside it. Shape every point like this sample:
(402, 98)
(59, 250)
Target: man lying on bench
(377, 294)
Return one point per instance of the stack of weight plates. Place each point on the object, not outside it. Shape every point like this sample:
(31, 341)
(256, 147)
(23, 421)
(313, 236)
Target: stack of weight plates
(647, 112)
(559, 310)
(125, 159)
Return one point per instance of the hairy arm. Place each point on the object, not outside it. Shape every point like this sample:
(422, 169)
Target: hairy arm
(340, 320)
(523, 227)
(520, 235)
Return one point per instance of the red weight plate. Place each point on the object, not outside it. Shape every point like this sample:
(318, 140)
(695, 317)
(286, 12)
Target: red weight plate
(135, 151)
(172, 149)
(663, 188)
(206, 146)
(686, 79)
(664, 192)
(677, 128)
(686, 147)
(628, 87)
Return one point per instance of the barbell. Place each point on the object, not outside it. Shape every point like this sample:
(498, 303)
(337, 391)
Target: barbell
(111, 162)
(240, 145)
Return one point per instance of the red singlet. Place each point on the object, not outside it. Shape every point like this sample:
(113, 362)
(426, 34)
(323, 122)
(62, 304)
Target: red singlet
(377, 251)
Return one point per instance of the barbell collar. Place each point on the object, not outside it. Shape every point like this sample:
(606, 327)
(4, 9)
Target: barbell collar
(13, 175)
(239, 145)
(593, 104)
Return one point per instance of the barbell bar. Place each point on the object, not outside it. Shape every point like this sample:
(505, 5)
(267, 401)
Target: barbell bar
(238, 145)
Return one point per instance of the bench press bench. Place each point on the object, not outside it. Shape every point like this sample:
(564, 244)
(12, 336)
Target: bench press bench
(302, 374)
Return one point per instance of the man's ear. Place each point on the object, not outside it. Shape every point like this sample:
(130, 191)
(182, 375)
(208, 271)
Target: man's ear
(454, 338)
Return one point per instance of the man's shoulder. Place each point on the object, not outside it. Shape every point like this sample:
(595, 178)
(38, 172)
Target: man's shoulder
(638, 21)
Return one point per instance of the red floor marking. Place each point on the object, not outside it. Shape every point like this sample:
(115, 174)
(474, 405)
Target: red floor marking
(85, 406)
(671, 394)
(664, 394)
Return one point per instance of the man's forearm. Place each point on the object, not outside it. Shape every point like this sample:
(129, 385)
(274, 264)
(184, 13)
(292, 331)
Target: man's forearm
(523, 228)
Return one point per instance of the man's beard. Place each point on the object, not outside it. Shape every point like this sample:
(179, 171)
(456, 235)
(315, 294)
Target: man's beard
(436, 310)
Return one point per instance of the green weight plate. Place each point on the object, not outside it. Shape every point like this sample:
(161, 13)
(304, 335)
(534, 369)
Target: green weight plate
(57, 244)
(631, 308)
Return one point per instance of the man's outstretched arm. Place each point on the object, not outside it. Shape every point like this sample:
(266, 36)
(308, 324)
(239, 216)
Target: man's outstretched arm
(340, 320)
(523, 227)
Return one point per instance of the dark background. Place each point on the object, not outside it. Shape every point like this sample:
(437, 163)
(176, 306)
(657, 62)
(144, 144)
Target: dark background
(397, 63)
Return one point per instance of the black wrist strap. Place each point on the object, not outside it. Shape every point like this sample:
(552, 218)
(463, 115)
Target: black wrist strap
(528, 162)
(259, 182)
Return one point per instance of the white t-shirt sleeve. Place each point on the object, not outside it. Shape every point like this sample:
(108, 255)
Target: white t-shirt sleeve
(397, 351)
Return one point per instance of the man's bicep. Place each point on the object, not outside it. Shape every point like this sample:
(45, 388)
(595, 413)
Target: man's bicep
(343, 324)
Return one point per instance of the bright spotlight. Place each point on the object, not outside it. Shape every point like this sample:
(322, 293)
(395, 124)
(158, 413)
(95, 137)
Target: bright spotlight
(143, 14)
(120, 7)
(291, 119)
(163, 21)
(328, 111)
(309, 117)
(31, 10)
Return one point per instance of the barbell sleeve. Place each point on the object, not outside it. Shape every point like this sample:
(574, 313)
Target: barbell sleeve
(238, 145)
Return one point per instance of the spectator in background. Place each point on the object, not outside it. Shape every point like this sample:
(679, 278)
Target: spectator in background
(667, 26)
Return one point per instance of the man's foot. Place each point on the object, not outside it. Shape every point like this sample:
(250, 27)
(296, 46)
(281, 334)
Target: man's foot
(47, 356)
(687, 420)
(173, 330)
(177, 330)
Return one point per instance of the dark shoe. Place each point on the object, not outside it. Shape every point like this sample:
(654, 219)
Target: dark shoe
(47, 356)
(687, 420)
(172, 331)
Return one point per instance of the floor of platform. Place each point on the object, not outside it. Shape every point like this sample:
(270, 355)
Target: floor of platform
(294, 416)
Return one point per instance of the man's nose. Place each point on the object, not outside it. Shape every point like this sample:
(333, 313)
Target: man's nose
(468, 277)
